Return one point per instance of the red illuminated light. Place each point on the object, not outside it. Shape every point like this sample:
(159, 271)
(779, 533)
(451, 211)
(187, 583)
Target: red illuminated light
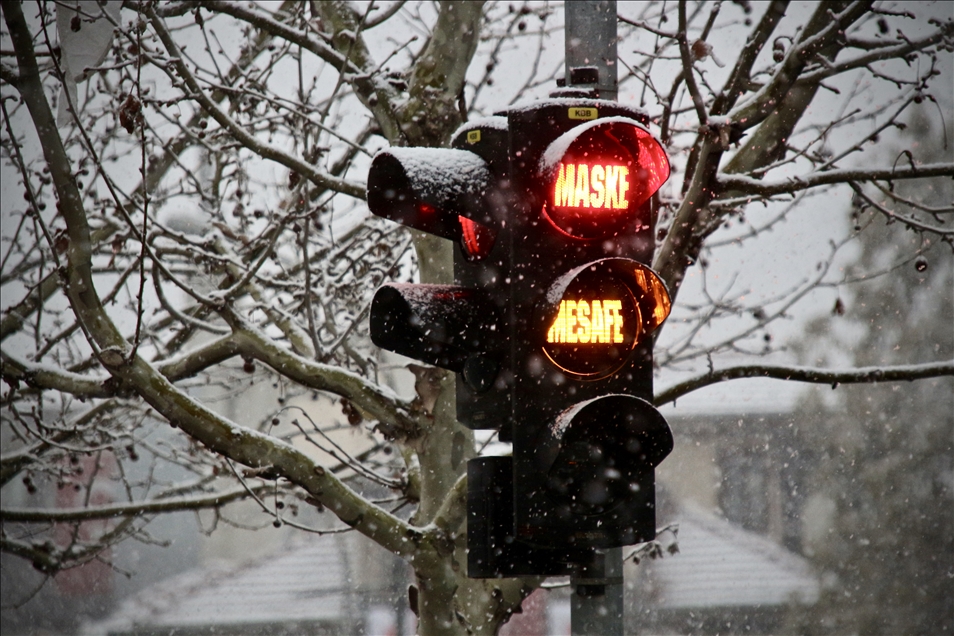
(580, 185)
(602, 175)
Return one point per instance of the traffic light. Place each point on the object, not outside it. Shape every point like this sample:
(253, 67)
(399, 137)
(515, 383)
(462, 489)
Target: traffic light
(549, 323)
(461, 194)
(584, 305)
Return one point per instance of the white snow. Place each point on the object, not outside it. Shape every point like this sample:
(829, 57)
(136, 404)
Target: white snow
(569, 102)
(496, 123)
(442, 174)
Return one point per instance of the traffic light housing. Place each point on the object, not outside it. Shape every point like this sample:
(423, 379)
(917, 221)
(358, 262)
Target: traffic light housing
(549, 324)
(584, 305)
(460, 194)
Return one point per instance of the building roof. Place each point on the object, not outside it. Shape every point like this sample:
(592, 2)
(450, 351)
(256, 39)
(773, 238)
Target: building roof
(307, 582)
(718, 565)
(721, 565)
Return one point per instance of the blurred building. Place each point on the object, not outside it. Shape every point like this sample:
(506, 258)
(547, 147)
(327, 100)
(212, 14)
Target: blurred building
(309, 587)
(732, 484)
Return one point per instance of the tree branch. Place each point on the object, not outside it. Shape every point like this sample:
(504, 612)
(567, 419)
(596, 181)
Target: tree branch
(85, 387)
(741, 72)
(378, 402)
(820, 34)
(59, 515)
(385, 15)
(438, 75)
(748, 185)
(241, 135)
(687, 68)
(861, 375)
(265, 22)
(883, 52)
(379, 97)
(220, 435)
(909, 221)
(453, 509)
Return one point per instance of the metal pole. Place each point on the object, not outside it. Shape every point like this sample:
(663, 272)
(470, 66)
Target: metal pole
(596, 607)
(591, 42)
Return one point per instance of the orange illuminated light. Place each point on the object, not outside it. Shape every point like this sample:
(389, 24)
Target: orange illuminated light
(659, 295)
(580, 185)
(588, 322)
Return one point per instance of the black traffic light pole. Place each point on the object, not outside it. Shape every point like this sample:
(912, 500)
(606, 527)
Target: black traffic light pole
(590, 33)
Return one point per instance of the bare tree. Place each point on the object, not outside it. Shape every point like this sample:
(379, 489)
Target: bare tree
(193, 222)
